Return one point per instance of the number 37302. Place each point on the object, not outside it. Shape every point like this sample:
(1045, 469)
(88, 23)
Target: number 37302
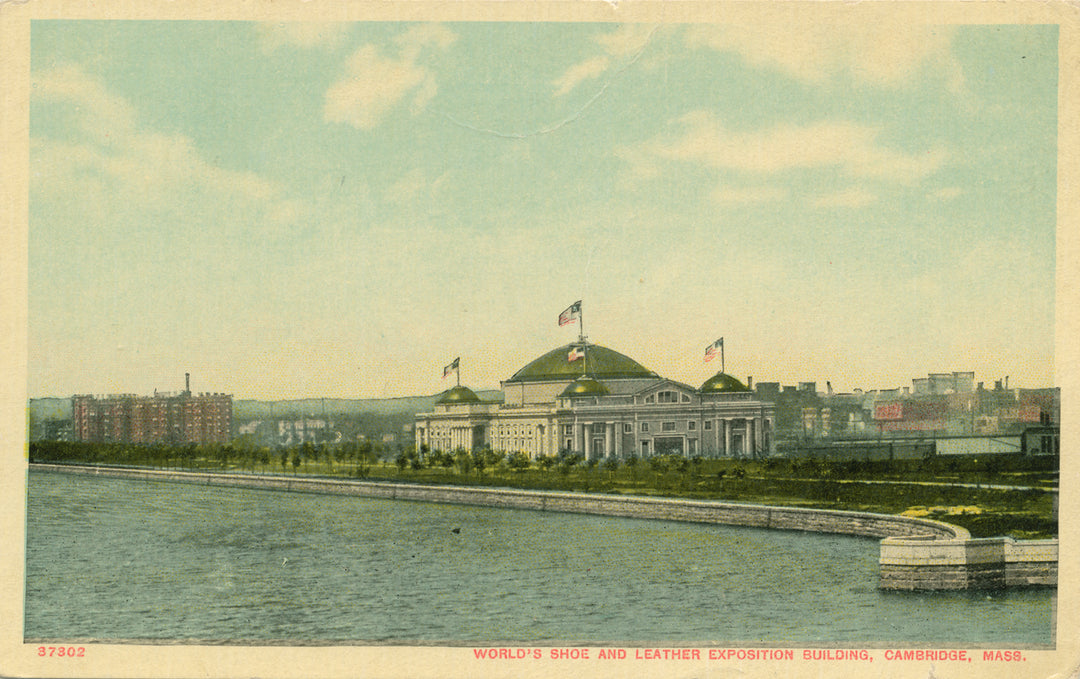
(61, 651)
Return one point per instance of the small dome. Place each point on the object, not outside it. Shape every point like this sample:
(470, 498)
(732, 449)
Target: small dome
(722, 382)
(458, 394)
(585, 386)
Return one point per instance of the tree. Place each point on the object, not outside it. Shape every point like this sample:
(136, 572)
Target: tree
(327, 454)
(696, 461)
(464, 460)
(341, 453)
(479, 460)
(518, 461)
(307, 452)
(493, 458)
(568, 461)
(295, 460)
(611, 465)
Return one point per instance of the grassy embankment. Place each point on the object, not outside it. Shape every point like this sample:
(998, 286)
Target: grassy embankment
(913, 487)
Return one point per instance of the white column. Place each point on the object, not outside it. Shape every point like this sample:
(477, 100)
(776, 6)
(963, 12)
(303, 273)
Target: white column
(609, 443)
(727, 437)
(588, 439)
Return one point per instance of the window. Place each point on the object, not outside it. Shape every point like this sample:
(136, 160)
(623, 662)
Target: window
(691, 426)
(644, 426)
(708, 425)
(644, 448)
(628, 428)
(667, 426)
(650, 399)
(567, 429)
(685, 398)
(667, 397)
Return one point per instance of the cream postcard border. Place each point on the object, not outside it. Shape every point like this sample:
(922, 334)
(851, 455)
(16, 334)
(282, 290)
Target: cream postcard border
(19, 660)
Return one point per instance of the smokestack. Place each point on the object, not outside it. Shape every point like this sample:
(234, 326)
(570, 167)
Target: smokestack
(187, 382)
(749, 382)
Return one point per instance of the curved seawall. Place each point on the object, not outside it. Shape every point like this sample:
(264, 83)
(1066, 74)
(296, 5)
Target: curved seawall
(916, 553)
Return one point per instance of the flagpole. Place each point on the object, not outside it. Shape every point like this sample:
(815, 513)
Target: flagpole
(581, 337)
(458, 371)
(721, 354)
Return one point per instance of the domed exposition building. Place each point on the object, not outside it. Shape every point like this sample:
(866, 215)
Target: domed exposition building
(615, 406)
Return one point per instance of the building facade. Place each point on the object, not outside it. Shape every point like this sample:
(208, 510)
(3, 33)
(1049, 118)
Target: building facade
(588, 399)
(162, 418)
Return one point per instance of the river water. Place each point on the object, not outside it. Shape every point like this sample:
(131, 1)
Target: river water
(116, 559)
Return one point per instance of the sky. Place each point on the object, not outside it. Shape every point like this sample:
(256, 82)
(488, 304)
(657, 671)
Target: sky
(340, 210)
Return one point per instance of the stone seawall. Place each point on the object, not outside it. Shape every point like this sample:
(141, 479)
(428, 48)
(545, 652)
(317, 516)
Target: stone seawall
(915, 554)
(982, 563)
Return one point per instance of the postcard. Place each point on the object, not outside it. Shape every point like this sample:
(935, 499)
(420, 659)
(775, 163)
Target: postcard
(519, 339)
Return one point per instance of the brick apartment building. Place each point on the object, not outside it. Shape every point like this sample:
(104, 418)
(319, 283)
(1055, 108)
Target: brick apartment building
(162, 418)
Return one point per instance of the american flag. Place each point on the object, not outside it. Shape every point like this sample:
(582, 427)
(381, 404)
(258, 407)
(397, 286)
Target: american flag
(572, 312)
(451, 368)
(575, 354)
(712, 349)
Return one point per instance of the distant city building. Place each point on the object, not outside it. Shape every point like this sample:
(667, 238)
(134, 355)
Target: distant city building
(944, 383)
(305, 430)
(941, 404)
(588, 399)
(180, 417)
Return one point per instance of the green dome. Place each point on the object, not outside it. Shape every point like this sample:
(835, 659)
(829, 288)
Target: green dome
(458, 394)
(585, 386)
(722, 382)
(603, 364)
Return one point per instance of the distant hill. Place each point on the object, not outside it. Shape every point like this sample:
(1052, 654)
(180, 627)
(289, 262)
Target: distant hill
(41, 409)
(315, 407)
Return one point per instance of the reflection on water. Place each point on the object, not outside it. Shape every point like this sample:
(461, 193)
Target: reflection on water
(124, 559)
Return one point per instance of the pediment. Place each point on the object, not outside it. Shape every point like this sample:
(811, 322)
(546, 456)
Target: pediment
(666, 392)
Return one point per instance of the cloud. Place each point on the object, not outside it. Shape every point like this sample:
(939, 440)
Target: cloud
(408, 188)
(301, 35)
(372, 88)
(116, 155)
(947, 193)
(101, 113)
(876, 53)
(750, 195)
(853, 198)
(626, 41)
(578, 73)
(420, 36)
(374, 84)
(850, 147)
